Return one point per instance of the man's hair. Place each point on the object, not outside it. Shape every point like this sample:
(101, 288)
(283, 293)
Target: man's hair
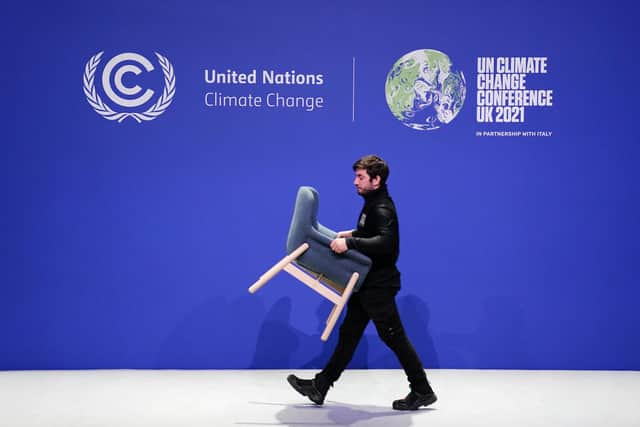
(375, 166)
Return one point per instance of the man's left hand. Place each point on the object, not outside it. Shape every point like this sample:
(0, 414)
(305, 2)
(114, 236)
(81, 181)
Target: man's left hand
(339, 245)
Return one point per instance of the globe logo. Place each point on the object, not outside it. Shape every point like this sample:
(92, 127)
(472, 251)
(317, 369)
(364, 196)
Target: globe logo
(423, 91)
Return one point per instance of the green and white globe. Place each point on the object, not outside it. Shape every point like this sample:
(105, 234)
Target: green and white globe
(423, 90)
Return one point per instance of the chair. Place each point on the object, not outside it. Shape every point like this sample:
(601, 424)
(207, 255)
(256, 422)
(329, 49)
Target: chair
(310, 259)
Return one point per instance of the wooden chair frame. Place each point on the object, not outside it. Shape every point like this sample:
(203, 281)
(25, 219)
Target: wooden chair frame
(318, 283)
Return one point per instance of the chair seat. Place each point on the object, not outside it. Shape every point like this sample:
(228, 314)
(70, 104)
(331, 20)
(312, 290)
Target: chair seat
(318, 276)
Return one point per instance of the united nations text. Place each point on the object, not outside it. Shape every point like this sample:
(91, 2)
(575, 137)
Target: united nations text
(267, 77)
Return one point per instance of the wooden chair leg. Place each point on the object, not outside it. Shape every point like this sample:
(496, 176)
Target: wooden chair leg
(337, 310)
(268, 275)
(333, 310)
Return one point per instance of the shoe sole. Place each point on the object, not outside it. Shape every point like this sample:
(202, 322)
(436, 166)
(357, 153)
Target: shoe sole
(418, 404)
(291, 379)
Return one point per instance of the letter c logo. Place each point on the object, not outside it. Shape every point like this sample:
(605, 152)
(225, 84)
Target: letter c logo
(120, 72)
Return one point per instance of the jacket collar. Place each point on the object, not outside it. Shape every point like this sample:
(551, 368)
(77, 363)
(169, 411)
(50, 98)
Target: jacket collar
(375, 194)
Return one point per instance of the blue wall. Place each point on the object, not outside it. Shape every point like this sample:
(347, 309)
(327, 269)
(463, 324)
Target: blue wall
(132, 245)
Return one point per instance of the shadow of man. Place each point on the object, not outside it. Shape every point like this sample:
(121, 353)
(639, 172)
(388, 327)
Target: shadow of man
(340, 414)
(277, 339)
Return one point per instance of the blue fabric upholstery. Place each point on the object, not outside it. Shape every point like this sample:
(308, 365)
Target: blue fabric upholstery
(319, 258)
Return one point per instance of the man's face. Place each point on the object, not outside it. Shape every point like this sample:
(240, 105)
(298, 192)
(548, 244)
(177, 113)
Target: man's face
(363, 182)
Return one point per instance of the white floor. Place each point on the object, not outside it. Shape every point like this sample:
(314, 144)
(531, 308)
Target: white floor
(122, 398)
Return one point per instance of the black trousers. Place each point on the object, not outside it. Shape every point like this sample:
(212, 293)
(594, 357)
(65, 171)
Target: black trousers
(379, 305)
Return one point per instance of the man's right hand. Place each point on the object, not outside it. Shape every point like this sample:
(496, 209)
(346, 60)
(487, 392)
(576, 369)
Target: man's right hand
(348, 233)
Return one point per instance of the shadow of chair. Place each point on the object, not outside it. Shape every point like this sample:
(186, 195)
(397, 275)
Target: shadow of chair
(310, 259)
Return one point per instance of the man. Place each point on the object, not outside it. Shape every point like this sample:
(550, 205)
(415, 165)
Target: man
(377, 237)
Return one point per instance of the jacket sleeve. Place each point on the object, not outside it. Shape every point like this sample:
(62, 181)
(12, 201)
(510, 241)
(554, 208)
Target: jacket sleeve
(384, 237)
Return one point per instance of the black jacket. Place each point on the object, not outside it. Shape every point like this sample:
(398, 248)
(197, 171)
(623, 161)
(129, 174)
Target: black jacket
(377, 236)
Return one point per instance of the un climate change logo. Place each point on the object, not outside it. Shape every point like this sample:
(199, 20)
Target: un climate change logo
(128, 98)
(423, 91)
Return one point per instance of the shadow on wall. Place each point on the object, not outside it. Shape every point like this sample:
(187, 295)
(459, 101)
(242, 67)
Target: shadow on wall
(415, 315)
(497, 341)
(277, 339)
(360, 358)
(196, 342)
(279, 345)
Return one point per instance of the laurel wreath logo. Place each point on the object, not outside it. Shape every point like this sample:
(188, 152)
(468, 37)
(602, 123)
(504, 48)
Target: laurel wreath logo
(105, 111)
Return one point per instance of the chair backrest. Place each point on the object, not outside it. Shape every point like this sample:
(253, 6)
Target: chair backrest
(305, 217)
(319, 258)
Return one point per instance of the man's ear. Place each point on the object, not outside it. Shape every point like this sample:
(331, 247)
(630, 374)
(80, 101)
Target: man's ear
(376, 182)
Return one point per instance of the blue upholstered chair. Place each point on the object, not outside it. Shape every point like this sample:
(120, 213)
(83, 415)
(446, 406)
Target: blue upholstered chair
(310, 259)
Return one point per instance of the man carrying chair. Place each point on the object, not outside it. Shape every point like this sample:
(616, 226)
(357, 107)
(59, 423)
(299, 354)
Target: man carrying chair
(377, 237)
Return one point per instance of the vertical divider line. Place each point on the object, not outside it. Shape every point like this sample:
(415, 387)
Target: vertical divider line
(353, 90)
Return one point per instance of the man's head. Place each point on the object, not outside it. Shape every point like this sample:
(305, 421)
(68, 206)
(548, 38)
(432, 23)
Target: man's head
(371, 173)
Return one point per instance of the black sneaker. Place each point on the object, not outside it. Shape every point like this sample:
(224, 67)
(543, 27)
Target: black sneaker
(307, 388)
(414, 401)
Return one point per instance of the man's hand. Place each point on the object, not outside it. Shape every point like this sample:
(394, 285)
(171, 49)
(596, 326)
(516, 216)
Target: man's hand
(339, 245)
(348, 233)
